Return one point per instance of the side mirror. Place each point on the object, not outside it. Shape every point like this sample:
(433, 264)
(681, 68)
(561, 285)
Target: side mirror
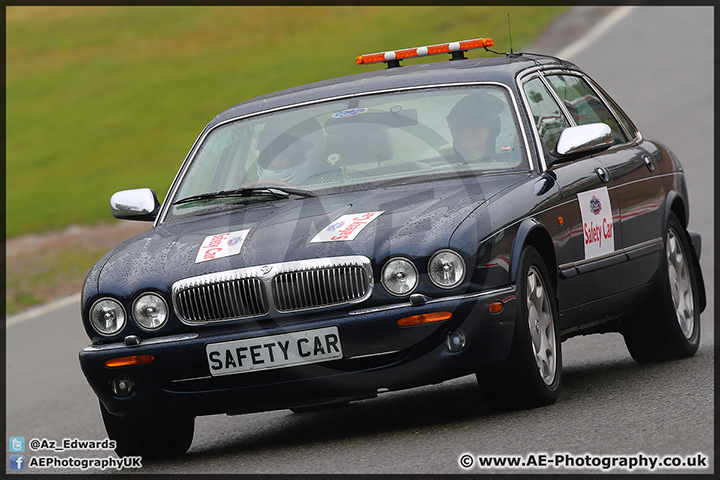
(138, 204)
(584, 138)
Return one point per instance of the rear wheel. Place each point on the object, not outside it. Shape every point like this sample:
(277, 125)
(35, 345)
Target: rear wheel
(670, 327)
(532, 374)
(149, 436)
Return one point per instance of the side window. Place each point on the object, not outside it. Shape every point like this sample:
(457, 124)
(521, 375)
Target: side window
(623, 118)
(548, 117)
(583, 104)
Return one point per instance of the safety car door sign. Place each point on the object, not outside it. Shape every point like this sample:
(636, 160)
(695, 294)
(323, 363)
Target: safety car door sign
(346, 227)
(221, 245)
(597, 219)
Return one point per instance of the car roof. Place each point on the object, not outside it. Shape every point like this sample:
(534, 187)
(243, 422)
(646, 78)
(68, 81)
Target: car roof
(496, 69)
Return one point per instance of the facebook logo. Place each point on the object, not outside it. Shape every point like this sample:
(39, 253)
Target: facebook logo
(17, 444)
(17, 462)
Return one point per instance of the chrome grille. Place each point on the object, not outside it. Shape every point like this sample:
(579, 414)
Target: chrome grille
(319, 288)
(283, 287)
(228, 299)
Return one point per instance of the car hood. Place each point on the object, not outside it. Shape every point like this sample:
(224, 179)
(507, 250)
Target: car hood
(411, 220)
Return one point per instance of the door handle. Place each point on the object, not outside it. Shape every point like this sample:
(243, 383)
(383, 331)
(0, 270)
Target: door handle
(648, 162)
(603, 174)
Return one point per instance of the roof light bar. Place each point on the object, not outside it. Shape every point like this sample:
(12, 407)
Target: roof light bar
(456, 49)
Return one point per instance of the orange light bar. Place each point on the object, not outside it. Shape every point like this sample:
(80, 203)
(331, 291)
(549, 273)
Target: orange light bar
(424, 51)
(133, 360)
(424, 318)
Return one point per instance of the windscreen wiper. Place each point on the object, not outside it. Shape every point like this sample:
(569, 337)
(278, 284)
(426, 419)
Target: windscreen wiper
(276, 192)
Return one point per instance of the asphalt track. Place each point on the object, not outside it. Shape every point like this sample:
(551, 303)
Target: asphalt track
(657, 62)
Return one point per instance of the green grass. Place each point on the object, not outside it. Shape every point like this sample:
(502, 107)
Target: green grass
(104, 98)
(33, 278)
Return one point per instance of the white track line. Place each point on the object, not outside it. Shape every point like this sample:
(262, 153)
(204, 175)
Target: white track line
(596, 32)
(42, 310)
(566, 53)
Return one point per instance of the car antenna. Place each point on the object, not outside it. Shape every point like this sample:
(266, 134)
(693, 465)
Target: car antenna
(515, 55)
(510, 33)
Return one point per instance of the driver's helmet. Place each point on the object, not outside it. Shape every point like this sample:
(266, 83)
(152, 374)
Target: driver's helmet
(469, 119)
(290, 150)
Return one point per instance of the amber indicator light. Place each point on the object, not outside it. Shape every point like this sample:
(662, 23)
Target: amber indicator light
(424, 318)
(132, 360)
(496, 307)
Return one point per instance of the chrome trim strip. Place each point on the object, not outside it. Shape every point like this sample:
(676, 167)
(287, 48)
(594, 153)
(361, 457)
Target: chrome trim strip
(435, 301)
(201, 138)
(625, 251)
(180, 380)
(370, 355)
(266, 274)
(146, 341)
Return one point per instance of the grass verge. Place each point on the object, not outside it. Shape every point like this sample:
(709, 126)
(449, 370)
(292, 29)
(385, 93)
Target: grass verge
(106, 98)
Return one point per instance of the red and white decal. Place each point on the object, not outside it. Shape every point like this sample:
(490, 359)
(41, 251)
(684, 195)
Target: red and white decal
(346, 227)
(597, 218)
(221, 245)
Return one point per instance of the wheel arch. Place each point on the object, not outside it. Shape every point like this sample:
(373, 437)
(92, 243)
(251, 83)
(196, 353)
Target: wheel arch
(677, 205)
(531, 232)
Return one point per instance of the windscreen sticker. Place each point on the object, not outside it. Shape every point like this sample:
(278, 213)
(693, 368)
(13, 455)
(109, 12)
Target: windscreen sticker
(349, 113)
(345, 228)
(221, 245)
(598, 228)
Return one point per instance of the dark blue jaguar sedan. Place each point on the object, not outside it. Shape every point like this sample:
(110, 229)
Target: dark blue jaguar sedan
(387, 230)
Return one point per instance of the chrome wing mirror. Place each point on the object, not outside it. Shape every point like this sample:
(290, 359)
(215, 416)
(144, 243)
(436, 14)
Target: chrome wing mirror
(138, 204)
(584, 138)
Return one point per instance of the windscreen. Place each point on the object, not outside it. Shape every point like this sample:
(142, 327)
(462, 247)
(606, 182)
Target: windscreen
(357, 143)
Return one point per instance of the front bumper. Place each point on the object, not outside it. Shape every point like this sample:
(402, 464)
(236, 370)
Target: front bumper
(378, 354)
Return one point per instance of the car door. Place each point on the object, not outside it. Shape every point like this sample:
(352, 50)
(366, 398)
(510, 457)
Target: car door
(637, 188)
(586, 247)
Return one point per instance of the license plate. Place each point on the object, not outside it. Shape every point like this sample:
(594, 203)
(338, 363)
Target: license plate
(274, 351)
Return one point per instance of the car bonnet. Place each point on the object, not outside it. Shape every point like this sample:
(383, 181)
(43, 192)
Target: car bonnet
(411, 220)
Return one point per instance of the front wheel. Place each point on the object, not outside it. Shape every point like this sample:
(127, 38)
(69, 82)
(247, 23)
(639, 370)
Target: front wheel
(670, 327)
(157, 436)
(531, 375)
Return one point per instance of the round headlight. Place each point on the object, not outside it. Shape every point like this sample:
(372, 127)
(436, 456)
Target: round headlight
(446, 269)
(150, 311)
(107, 316)
(399, 277)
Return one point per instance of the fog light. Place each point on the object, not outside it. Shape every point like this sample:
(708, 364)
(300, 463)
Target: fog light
(122, 386)
(456, 341)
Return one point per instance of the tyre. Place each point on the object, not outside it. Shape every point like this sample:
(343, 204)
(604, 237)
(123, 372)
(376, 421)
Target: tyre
(670, 327)
(149, 437)
(531, 375)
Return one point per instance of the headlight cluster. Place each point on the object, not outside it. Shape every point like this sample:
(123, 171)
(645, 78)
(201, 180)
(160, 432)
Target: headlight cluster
(108, 317)
(446, 269)
(399, 277)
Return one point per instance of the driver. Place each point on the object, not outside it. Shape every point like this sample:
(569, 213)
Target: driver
(290, 151)
(475, 125)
